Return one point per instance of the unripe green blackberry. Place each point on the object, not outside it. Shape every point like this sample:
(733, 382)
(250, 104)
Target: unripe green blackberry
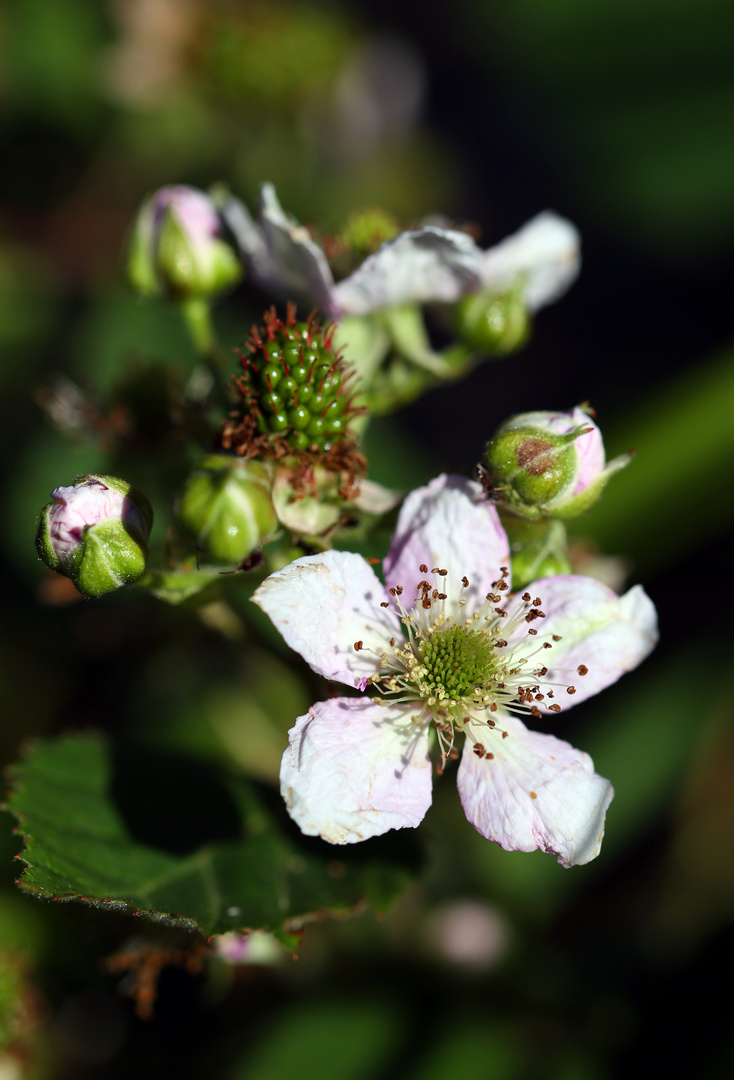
(294, 390)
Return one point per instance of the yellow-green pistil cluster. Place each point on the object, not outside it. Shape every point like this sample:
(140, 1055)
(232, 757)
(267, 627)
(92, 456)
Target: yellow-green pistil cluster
(457, 667)
(460, 670)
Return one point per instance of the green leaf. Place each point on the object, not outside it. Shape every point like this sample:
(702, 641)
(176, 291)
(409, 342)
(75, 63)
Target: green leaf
(131, 828)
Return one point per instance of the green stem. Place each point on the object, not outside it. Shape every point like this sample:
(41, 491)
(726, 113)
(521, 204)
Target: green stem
(197, 316)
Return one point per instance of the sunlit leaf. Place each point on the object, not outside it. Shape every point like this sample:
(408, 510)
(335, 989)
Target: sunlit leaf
(140, 831)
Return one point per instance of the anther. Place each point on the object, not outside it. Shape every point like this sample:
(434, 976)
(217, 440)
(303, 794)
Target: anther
(526, 596)
(537, 602)
(465, 582)
(554, 708)
(533, 632)
(423, 568)
(582, 669)
(358, 645)
(547, 645)
(557, 637)
(385, 603)
(570, 689)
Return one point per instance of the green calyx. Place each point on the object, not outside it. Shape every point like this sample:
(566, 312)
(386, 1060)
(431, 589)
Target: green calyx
(457, 663)
(293, 386)
(227, 509)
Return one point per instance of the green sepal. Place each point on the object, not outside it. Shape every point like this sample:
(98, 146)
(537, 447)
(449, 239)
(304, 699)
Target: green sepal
(227, 509)
(528, 468)
(578, 504)
(111, 555)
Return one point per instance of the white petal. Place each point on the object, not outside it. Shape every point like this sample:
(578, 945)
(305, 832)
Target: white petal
(545, 251)
(298, 266)
(606, 633)
(354, 769)
(279, 252)
(536, 792)
(324, 604)
(449, 524)
(248, 235)
(417, 267)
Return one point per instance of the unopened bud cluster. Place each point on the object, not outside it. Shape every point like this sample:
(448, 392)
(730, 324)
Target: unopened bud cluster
(96, 533)
(549, 464)
(226, 508)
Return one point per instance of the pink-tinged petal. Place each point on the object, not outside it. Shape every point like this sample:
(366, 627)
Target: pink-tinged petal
(354, 769)
(545, 252)
(323, 605)
(417, 267)
(449, 524)
(598, 630)
(535, 792)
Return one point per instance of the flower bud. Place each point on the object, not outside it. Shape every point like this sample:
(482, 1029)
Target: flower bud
(549, 464)
(176, 249)
(96, 533)
(227, 509)
(494, 324)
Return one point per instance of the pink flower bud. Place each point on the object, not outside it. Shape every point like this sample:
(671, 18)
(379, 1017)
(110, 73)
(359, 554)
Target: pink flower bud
(95, 532)
(177, 248)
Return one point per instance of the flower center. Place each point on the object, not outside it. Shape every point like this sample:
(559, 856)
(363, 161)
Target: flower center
(458, 663)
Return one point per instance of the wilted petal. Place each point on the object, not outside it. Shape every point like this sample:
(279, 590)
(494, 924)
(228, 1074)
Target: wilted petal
(299, 264)
(375, 499)
(354, 769)
(279, 252)
(536, 792)
(417, 267)
(323, 605)
(545, 252)
(249, 237)
(451, 525)
(598, 630)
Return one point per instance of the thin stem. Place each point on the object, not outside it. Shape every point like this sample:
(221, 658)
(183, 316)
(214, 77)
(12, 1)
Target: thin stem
(196, 314)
